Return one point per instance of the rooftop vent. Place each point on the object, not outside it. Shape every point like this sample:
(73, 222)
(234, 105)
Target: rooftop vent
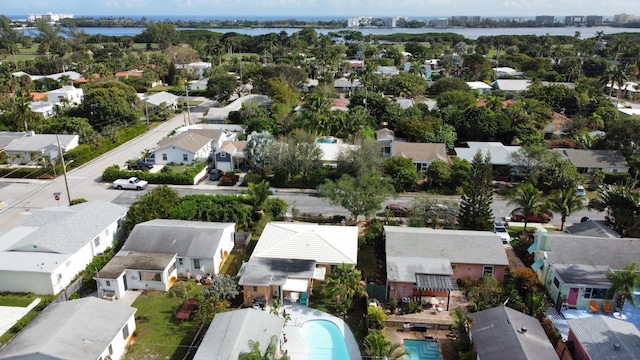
(523, 330)
(616, 346)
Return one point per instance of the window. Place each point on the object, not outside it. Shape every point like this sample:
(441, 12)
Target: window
(164, 157)
(110, 349)
(185, 157)
(594, 293)
(107, 283)
(180, 262)
(454, 267)
(223, 154)
(125, 332)
(255, 288)
(96, 241)
(556, 282)
(487, 270)
(196, 263)
(172, 268)
(150, 276)
(59, 277)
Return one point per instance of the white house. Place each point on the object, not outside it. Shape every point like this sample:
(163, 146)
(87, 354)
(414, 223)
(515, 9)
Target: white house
(195, 68)
(53, 245)
(170, 100)
(34, 148)
(183, 148)
(480, 87)
(66, 95)
(87, 328)
(137, 271)
(501, 155)
(201, 247)
(331, 152)
(217, 133)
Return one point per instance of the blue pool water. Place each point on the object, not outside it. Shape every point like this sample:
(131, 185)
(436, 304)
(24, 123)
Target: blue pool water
(422, 350)
(325, 340)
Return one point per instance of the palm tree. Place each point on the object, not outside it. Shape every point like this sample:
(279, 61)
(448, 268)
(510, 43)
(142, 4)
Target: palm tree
(257, 196)
(565, 202)
(343, 284)
(529, 202)
(608, 78)
(255, 353)
(620, 77)
(461, 324)
(623, 284)
(378, 347)
(622, 205)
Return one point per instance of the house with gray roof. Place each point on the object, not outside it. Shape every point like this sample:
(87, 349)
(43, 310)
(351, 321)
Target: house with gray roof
(219, 115)
(431, 261)
(201, 247)
(502, 333)
(574, 268)
(87, 328)
(35, 148)
(604, 337)
(230, 332)
(422, 154)
(53, 245)
(605, 160)
(130, 270)
(595, 228)
(230, 156)
(501, 155)
(184, 147)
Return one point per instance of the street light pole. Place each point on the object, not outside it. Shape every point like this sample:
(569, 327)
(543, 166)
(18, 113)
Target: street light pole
(64, 170)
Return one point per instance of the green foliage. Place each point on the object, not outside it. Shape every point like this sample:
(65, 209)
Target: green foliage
(378, 347)
(275, 208)
(77, 201)
(222, 287)
(158, 203)
(475, 208)
(343, 285)
(623, 284)
(438, 174)
(377, 317)
(186, 177)
(403, 173)
(565, 202)
(221, 86)
(445, 84)
(98, 262)
(220, 208)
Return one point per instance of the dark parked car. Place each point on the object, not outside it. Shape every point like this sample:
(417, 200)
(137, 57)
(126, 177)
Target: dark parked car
(141, 165)
(215, 174)
(398, 210)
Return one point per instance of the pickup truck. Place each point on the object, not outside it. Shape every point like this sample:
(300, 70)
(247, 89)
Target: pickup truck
(132, 184)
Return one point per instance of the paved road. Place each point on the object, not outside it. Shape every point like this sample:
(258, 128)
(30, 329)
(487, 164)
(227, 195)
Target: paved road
(19, 196)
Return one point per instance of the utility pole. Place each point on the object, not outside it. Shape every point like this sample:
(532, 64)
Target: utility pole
(64, 170)
(146, 112)
(186, 87)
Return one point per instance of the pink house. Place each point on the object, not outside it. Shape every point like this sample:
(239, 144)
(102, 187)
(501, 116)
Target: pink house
(425, 261)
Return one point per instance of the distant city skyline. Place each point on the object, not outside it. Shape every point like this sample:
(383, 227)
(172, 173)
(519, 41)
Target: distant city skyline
(324, 8)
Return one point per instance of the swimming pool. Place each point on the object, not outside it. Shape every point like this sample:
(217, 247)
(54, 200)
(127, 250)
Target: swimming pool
(422, 350)
(326, 341)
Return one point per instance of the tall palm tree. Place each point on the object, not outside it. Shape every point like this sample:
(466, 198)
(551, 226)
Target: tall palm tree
(623, 285)
(528, 201)
(608, 78)
(620, 77)
(257, 195)
(565, 202)
(461, 324)
(378, 347)
(622, 205)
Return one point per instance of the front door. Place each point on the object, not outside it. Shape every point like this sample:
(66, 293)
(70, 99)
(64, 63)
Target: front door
(573, 296)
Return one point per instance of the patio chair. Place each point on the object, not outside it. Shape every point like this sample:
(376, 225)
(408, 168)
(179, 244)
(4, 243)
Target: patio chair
(606, 308)
(593, 307)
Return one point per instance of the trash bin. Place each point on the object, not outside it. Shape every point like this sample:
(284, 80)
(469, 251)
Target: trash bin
(406, 327)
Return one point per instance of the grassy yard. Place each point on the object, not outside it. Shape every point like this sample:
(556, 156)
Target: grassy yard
(158, 335)
(178, 168)
(16, 299)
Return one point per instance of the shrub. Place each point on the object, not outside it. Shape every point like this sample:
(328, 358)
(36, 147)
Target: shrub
(616, 178)
(228, 179)
(252, 178)
(376, 317)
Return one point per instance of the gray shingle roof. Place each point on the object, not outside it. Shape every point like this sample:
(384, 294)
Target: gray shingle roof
(188, 140)
(420, 152)
(71, 330)
(599, 334)
(65, 230)
(497, 335)
(595, 158)
(266, 271)
(134, 260)
(586, 250)
(593, 275)
(186, 238)
(230, 332)
(162, 97)
(594, 228)
(457, 246)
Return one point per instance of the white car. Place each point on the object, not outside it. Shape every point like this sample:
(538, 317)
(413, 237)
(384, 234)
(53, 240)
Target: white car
(500, 229)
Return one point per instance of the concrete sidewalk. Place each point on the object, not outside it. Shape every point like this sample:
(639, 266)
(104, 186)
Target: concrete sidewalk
(9, 315)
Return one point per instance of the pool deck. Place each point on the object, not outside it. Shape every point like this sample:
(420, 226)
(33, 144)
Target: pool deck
(296, 345)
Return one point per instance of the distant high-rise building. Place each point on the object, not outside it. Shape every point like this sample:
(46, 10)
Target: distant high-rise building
(575, 20)
(441, 23)
(623, 18)
(545, 19)
(594, 19)
(466, 18)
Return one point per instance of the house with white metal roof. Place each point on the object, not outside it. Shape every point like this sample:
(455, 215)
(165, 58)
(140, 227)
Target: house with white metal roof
(53, 245)
(230, 332)
(163, 97)
(505, 333)
(425, 260)
(501, 155)
(480, 87)
(66, 95)
(87, 328)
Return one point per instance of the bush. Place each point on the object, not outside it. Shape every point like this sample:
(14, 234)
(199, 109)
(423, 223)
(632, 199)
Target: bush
(114, 172)
(616, 178)
(229, 179)
(251, 178)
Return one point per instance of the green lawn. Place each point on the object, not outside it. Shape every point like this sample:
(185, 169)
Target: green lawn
(16, 299)
(158, 335)
(178, 168)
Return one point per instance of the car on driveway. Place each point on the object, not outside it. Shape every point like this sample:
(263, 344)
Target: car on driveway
(519, 216)
(500, 229)
(215, 174)
(398, 210)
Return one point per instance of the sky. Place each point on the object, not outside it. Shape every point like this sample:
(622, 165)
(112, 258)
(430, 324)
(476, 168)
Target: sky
(321, 8)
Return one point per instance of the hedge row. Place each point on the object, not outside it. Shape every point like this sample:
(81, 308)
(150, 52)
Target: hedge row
(163, 177)
(616, 178)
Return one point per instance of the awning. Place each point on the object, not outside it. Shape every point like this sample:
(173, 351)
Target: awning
(533, 246)
(537, 264)
(298, 285)
(435, 282)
